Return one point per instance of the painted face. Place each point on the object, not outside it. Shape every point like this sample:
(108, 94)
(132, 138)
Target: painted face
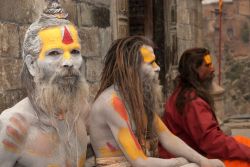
(60, 50)
(206, 70)
(149, 57)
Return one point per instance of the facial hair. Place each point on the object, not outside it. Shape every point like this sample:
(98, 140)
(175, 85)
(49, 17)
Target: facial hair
(207, 83)
(153, 103)
(152, 92)
(65, 93)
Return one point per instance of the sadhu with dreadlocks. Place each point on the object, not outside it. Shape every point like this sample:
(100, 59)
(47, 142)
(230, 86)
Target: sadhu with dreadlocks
(190, 111)
(124, 125)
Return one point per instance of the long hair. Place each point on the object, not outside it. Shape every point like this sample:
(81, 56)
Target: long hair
(121, 68)
(189, 79)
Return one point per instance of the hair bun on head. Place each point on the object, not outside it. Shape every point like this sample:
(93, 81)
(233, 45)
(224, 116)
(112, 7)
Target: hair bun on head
(55, 10)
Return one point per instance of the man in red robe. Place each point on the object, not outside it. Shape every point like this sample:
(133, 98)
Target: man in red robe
(189, 112)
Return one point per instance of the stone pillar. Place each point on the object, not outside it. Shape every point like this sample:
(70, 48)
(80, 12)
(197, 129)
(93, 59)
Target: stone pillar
(183, 30)
(119, 19)
(189, 25)
(93, 21)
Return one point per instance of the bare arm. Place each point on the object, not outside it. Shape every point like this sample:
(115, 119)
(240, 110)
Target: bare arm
(180, 149)
(12, 135)
(118, 121)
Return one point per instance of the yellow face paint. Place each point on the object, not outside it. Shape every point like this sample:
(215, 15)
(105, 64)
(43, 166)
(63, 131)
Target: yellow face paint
(130, 145)
(207, 59)
(148, 56)
(64, 38)
(160, 126)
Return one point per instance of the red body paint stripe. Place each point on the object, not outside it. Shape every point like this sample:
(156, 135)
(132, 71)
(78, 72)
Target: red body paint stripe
(111, 147)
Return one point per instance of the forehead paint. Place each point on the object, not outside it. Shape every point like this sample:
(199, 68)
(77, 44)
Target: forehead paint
(207, 59)
(67, 39)
(61, 37)
(148, 56)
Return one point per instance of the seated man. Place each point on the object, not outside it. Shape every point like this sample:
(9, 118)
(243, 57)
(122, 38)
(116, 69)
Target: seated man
(190, 113)
(124, 125)
(47, 129)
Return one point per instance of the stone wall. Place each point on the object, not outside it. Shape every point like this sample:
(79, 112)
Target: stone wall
(92, 18)
(235, 51)
(183, 30)
(189, 25)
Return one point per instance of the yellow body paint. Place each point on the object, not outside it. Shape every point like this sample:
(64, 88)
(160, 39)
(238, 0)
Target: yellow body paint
(106, 152)
(208, 59)
(130, 145)
(52, 38)
(148, 56)
(160, 126)
(81, 161)
(52, 165)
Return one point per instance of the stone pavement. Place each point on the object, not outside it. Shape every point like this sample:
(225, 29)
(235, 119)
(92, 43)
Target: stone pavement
(238, 125)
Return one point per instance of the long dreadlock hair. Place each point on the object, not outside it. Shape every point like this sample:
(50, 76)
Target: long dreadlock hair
(121, 68)
(190, 60)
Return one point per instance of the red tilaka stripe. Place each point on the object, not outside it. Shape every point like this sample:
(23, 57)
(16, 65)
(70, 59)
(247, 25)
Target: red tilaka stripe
(67, 39)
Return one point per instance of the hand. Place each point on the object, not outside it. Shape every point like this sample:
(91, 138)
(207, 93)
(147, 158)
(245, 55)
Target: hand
(16, 131)
(180, 161)
(217, 162)
(212, 163)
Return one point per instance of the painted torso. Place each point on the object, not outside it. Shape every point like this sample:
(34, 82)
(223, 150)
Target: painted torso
(101, 136)
(35, 144)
